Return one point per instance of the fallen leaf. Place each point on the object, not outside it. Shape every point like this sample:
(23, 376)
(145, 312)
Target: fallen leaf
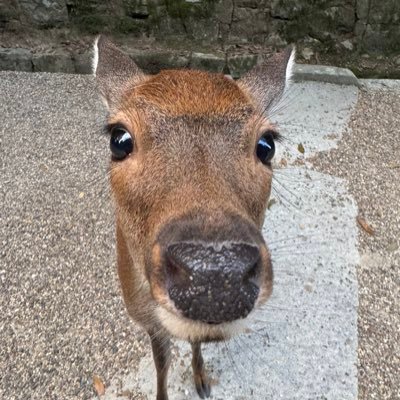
(364, 224)
(271, 203)
(283, 162)
(393, 246)
(300, 148)
(98, 385)
(81, 195)
(125, 393)
(393, 166)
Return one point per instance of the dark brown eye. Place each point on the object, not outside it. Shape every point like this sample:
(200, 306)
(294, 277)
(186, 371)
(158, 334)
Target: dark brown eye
(121, 143)
(266, 147)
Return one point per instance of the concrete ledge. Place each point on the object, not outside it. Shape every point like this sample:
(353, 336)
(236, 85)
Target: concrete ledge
(380, 84)
(154, 61)
(15, 60)
(322, 73)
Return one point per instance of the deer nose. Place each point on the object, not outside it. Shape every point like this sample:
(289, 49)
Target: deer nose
(213, 283)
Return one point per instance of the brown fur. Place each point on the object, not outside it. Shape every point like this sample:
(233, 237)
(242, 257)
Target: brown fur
(192, 93)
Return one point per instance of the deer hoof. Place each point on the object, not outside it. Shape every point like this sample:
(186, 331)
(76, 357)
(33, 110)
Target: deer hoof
(202, 386)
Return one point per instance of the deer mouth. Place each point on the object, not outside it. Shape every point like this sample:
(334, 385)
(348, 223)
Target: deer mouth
(197, 331)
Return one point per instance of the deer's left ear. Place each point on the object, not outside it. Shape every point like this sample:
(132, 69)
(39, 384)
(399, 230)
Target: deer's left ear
(267, 82)
(114, 70)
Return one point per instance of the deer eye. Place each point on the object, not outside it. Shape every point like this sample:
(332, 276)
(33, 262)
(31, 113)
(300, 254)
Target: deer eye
(266, 147)
(121, 143)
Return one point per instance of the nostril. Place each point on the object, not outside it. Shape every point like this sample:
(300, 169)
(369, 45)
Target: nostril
(252, 274)
(177, 273)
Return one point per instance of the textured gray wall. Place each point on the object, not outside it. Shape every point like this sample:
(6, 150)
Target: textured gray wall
(367, 25)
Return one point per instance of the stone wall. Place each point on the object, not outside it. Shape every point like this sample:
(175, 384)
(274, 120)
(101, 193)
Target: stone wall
(329, 25)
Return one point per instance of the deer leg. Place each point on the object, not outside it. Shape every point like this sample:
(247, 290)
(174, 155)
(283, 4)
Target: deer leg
(200, 378)
(161, 346)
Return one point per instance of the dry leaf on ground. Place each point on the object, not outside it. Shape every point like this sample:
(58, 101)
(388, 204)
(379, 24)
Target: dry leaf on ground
(98, 385)
(300, 148)
(283, 162)
(393, 166)
(271, 203)
(364, 224)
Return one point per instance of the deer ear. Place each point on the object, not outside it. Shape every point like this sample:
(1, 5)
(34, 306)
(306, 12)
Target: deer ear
(115, 72)
(267, 82)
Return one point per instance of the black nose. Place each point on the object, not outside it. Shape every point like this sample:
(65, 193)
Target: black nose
(213, 283)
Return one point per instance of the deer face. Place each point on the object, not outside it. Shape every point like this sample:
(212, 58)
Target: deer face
(191, 176)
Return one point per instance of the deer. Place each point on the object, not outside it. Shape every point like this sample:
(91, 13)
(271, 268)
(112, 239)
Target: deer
(190, 175)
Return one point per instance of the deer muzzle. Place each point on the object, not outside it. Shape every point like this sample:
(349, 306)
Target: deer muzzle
(213, 282)
(211, 274)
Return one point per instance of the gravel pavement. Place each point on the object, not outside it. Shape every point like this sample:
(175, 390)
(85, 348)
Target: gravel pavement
(62, 319)
(368, 157)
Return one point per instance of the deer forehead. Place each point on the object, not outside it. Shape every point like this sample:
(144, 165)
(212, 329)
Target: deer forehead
(193, 93)
(193, 103)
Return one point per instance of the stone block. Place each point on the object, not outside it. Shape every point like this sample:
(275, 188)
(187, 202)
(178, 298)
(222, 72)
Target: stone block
(284, 9)
(153, 62)
(137, 8)
(83, 63)
(207, 62)
(359, 28)
(341, 19)
(384, 12)
(274, 39)
(8, 12)
(61, 62)
(205, 30)
(362, 9)
(238, 65)
(15, 60)
(45, 12)
(348, 45)
(166, 26)
(381, 39)
(223, 11)
(322, 73)
(250, 24)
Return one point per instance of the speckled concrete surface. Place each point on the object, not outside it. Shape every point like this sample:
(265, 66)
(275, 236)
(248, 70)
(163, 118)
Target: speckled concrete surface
(368, 157)
(62, 318)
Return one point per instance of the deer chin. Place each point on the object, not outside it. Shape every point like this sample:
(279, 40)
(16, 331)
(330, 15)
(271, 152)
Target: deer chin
(197, 331)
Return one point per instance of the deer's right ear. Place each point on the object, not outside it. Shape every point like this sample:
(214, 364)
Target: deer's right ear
(115, 72)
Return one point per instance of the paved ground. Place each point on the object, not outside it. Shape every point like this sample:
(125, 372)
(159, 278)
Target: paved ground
(368, 158)
(62, 319)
